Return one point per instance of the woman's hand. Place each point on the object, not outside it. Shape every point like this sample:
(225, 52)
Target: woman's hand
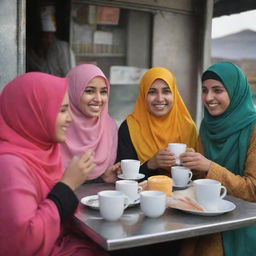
(110, 175)
(162, 159)
(78, 170)
(195, 160)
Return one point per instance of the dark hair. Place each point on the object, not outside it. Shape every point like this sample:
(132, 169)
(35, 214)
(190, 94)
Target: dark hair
(210, 75)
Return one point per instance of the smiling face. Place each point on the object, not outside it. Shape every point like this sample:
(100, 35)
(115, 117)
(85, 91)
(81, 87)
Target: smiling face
(159, 98)
(63, 120)
(215, 97)
(94, 98)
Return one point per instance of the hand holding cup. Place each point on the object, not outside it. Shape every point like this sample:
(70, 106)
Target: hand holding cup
(162, 159)
(78, 170)
(177, 149)
(195, 160)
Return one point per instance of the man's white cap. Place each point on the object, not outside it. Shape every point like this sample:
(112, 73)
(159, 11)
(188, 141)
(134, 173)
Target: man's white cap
(48, 18)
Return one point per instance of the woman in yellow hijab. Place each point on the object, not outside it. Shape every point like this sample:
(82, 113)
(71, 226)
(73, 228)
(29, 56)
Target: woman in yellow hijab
(160, 117)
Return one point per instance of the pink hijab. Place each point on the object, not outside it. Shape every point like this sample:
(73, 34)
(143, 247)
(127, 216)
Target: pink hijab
(30, 223)
(27, 123)
(98, 134)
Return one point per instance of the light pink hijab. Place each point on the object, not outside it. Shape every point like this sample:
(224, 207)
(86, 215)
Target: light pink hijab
(97, 134)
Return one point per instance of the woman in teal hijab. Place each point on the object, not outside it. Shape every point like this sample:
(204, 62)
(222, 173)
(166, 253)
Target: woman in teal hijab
(228, 136)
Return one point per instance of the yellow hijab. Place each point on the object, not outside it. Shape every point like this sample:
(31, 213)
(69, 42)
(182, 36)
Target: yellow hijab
(149, 133)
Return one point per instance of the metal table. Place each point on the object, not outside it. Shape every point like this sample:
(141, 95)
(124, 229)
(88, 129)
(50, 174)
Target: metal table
(134, 229)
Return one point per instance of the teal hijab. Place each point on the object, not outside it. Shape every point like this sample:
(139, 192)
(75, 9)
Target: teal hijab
(225, 140)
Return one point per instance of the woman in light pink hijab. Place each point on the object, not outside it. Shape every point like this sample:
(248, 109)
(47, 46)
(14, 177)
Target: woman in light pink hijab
(92, 128)
(36, 199)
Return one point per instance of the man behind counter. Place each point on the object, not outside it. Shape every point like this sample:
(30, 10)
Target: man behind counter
(46, 53)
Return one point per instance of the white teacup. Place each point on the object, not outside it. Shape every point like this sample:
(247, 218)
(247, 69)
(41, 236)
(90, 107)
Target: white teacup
(208, 193)
(130, 218)
(181, 175)
(129, 188)
(130, 168)
(153, 203)
(177, 149)
(112, 204)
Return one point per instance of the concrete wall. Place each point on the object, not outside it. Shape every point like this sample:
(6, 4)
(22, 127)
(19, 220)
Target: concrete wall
(204, 52)
(138, 45)
(12, 39)
(182, 43)
(138, 39)
(175, 47)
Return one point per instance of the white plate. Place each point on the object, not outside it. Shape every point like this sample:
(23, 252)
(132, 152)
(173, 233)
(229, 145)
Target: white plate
(225, 206)
(137, 201)
(93, 202)
(183, 187)
(139, 177)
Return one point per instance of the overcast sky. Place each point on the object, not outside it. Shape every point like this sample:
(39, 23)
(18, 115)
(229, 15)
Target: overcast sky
(233, 23)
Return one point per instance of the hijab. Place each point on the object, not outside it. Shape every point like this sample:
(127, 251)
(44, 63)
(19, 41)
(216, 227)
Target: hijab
(98, 134)
(226, 138)
(29, 106)
(150, 133)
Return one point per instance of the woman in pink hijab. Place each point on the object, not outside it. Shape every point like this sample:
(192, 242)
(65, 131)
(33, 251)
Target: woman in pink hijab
(92, 128)
(36, 198)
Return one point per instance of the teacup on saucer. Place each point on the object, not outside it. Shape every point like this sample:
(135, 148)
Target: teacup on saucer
(190, 183)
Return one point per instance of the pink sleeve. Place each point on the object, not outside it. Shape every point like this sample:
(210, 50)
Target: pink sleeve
(28, 225)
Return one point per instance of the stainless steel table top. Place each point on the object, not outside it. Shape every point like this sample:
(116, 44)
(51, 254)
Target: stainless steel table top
(134, 229)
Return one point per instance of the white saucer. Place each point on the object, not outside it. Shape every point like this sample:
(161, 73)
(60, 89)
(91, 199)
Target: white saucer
(136, 201)
(182, 186)
(93, 202)
(224, 206)
(139, 177)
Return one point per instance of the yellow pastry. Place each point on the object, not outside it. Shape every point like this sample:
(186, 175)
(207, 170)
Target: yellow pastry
(160, 183)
